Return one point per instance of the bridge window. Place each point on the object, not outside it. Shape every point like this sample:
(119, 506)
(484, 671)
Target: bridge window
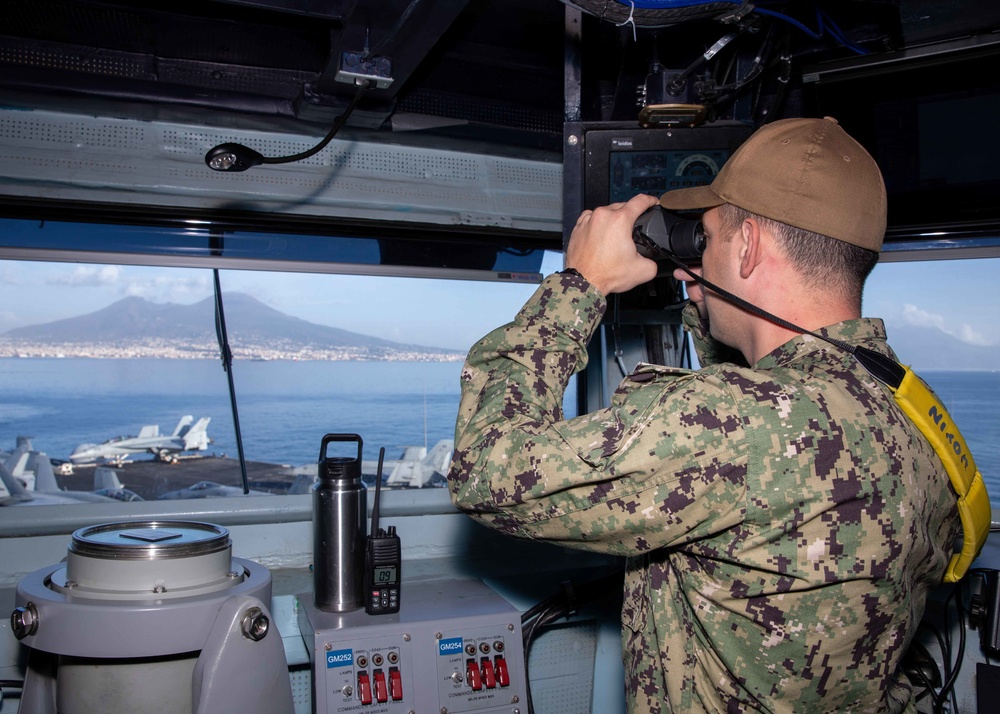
(113, 369)
(941, 318)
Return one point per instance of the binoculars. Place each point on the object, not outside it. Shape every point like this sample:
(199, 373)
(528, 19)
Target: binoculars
(662, 235)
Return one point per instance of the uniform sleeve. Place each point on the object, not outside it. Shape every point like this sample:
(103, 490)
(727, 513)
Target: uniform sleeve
(654, 469)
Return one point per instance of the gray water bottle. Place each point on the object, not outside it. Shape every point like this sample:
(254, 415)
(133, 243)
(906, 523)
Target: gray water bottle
(340, 527)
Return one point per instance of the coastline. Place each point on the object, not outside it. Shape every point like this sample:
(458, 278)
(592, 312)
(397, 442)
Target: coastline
(194, 351)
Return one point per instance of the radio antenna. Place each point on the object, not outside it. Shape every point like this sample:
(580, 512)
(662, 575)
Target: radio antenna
(378, 491)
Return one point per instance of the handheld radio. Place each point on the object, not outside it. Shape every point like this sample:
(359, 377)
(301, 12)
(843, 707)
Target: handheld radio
(383, 564)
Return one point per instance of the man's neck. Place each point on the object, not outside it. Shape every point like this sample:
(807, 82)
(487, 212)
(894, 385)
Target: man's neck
(765, 336)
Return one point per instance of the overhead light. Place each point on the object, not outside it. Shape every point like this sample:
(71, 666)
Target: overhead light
(233, 157)
(236, 157)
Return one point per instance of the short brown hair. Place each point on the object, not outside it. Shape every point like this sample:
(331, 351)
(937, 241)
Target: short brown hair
(824, 262)
(805, 172)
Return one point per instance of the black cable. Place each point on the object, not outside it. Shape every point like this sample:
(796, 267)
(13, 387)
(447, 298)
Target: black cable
(339, 122)
(677, 82)
(883, 368)
(945, 657)
(549, 615)
(784, 78)
(950, 682)
(952, 662)
(947, 625)
(227, 365)
(561, 605)
(928, 686)
(236, 157)
(944, 649)
(761, 61)
(535, 609)
(937, 699)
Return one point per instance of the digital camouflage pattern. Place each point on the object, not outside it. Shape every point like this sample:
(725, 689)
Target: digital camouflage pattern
(783, 523)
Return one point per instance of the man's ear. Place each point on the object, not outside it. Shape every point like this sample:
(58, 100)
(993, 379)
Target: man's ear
(751, 247)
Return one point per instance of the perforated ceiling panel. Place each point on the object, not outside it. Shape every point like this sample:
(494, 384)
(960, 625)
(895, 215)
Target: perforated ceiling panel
(119, 161)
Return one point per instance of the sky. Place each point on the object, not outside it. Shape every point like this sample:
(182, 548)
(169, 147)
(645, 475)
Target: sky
(958, 297)
(452, 314)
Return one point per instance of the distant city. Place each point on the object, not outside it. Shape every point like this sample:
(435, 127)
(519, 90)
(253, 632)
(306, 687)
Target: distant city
(172, 350)
(136, 328)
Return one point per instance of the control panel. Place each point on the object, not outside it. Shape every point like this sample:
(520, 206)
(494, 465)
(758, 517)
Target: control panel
(454, 646)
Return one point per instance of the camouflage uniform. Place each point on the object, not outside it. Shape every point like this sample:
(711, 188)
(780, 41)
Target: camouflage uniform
(783, 523)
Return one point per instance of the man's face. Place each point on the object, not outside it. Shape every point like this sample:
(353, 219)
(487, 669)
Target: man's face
(720, 265)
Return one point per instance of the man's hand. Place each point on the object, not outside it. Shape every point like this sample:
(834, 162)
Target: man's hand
(601, 247)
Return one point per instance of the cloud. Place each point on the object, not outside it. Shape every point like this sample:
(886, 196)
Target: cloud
(137, 283)
(10, 276)
(87, 276)
(166, 288)
(964, 332)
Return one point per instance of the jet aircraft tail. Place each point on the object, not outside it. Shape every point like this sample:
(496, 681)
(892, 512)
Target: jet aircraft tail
(420, 472)
(17, 461)
(196, 436)
(106, 479)
(183, 425)
(45, 477)
(11, 490)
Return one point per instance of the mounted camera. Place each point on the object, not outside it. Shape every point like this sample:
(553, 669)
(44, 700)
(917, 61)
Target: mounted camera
(659, 234)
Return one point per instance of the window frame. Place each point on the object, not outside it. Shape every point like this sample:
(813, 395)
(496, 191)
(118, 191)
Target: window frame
(29, 521)
(268, 510)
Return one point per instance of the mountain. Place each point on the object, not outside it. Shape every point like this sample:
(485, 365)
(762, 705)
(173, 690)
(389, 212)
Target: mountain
(134, 326)
(255, 330)
(925, 348)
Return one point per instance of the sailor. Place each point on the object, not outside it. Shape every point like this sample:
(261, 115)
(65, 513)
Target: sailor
(783, 520)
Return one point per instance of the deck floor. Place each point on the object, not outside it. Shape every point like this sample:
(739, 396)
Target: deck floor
(150, 478)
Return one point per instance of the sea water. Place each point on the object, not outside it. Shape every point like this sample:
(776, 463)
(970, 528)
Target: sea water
(285, 407)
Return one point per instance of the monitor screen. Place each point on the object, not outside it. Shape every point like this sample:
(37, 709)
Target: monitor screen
(620, 160)
(656, 172)
(932, 129)
(609, 162)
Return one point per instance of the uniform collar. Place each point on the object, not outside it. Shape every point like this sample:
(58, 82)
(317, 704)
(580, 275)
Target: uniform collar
(867, 331)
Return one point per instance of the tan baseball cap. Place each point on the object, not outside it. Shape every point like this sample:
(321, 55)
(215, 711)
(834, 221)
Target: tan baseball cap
(807, 173)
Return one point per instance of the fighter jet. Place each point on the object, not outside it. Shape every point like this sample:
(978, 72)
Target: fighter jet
(416, 467)
(27, 479)
(419, 468)
(186, 437)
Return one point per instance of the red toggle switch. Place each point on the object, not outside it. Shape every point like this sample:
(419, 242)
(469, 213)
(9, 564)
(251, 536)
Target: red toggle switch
(381, 692)
(364, 688)
(395, 684)
(503, 676)
(489, 679)
(472, 675)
